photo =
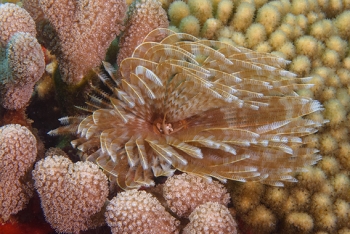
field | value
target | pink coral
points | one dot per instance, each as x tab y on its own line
70	193
211	217
17	155
20	55
14	19
83	31
185	192
139	212
24	64
143	17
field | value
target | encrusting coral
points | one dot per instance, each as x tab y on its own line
185	192
17	156
21	57
79	29
139	212
71	194
159	118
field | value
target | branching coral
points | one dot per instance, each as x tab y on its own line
199	106
21	57
14	19
17	155
143	17
211	217
23	64
71	194
139	212
318	44
81	29
185	192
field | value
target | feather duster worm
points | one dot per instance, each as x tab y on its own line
199	106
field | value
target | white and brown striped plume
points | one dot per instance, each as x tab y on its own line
201	107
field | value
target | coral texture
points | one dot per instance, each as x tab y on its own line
22	66
185	192
196	17
143	17
202	107
70	193
14	19
21	58
138	212
314	35
84	29
211	217
17	155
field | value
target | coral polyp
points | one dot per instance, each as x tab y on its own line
199	106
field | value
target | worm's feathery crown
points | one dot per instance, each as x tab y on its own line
199	106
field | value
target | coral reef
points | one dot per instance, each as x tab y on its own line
21	57
143	17
185	192
71	194
313	35
19	78
81	189
139	212
199	18
17	156
78	29
14	19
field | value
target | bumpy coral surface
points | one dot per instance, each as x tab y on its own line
138	212
143	17
14	19
211	217
21	57
17	155
81	29
185	192
23	65
198	106
70	193
314	35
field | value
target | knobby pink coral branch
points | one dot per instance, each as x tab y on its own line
84	30
14	19
17	155
24	65
70	193
138	212
185	192
211	217
21	58
143	17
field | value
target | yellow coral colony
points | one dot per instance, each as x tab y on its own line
199	106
